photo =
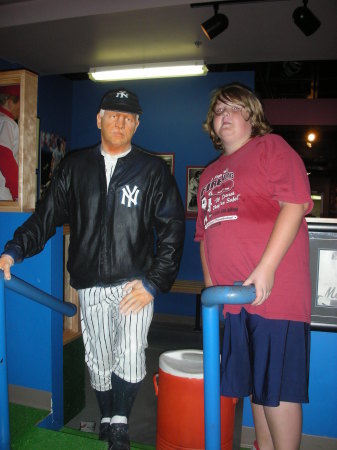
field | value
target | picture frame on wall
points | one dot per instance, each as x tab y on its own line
323	269
21	169
169	159
52	151
192	182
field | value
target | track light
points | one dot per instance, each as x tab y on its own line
216	24
306	21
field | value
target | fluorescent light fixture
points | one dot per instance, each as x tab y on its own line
143	71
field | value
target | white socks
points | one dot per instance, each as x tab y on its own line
115	419
119	419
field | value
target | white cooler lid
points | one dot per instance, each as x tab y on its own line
183	363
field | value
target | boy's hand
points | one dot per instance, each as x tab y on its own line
263	279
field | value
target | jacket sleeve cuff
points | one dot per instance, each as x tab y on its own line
149	287
12	254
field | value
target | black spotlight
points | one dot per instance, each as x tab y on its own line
306	21
215	25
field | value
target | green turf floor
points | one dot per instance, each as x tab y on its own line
25	435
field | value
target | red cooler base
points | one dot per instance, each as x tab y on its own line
180	414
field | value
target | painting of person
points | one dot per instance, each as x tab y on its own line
9	141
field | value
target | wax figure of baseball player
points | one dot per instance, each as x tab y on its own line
113	196
9	141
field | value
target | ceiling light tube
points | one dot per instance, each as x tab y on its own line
144	71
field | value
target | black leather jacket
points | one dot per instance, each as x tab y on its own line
134	231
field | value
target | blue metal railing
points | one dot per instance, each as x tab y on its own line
21	287
211	298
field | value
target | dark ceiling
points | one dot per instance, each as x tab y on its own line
291	79
51	37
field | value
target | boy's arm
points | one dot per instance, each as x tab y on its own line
284	232
207	277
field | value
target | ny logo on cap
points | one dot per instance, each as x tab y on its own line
122	94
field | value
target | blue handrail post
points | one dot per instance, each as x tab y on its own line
4	408
27	290
211	298
21	287
210	316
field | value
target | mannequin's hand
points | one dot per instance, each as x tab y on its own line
136	297
6	262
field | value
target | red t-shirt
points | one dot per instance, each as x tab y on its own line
237	207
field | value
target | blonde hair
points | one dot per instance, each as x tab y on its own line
242	96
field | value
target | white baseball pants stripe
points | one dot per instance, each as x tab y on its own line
113	342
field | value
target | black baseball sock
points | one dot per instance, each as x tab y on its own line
105	402
124	394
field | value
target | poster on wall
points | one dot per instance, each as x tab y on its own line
52	150
327	279
169	159
192	182
323	272
18	100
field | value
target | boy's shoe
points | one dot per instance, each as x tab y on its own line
104	431
119	437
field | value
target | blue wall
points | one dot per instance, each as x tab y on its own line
6	65
54	105
173	114
34	333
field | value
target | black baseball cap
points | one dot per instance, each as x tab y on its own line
121	99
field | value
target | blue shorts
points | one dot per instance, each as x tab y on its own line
265	358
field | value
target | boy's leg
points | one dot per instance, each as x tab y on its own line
285	425
278	428
263	436
281	370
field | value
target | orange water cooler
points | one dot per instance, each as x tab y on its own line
179	386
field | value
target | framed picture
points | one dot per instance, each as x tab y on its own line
192	182
169	159
323	269
18	162
52	151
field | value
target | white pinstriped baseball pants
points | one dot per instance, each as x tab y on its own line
113	342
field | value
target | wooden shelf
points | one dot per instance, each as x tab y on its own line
69	336
187	286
